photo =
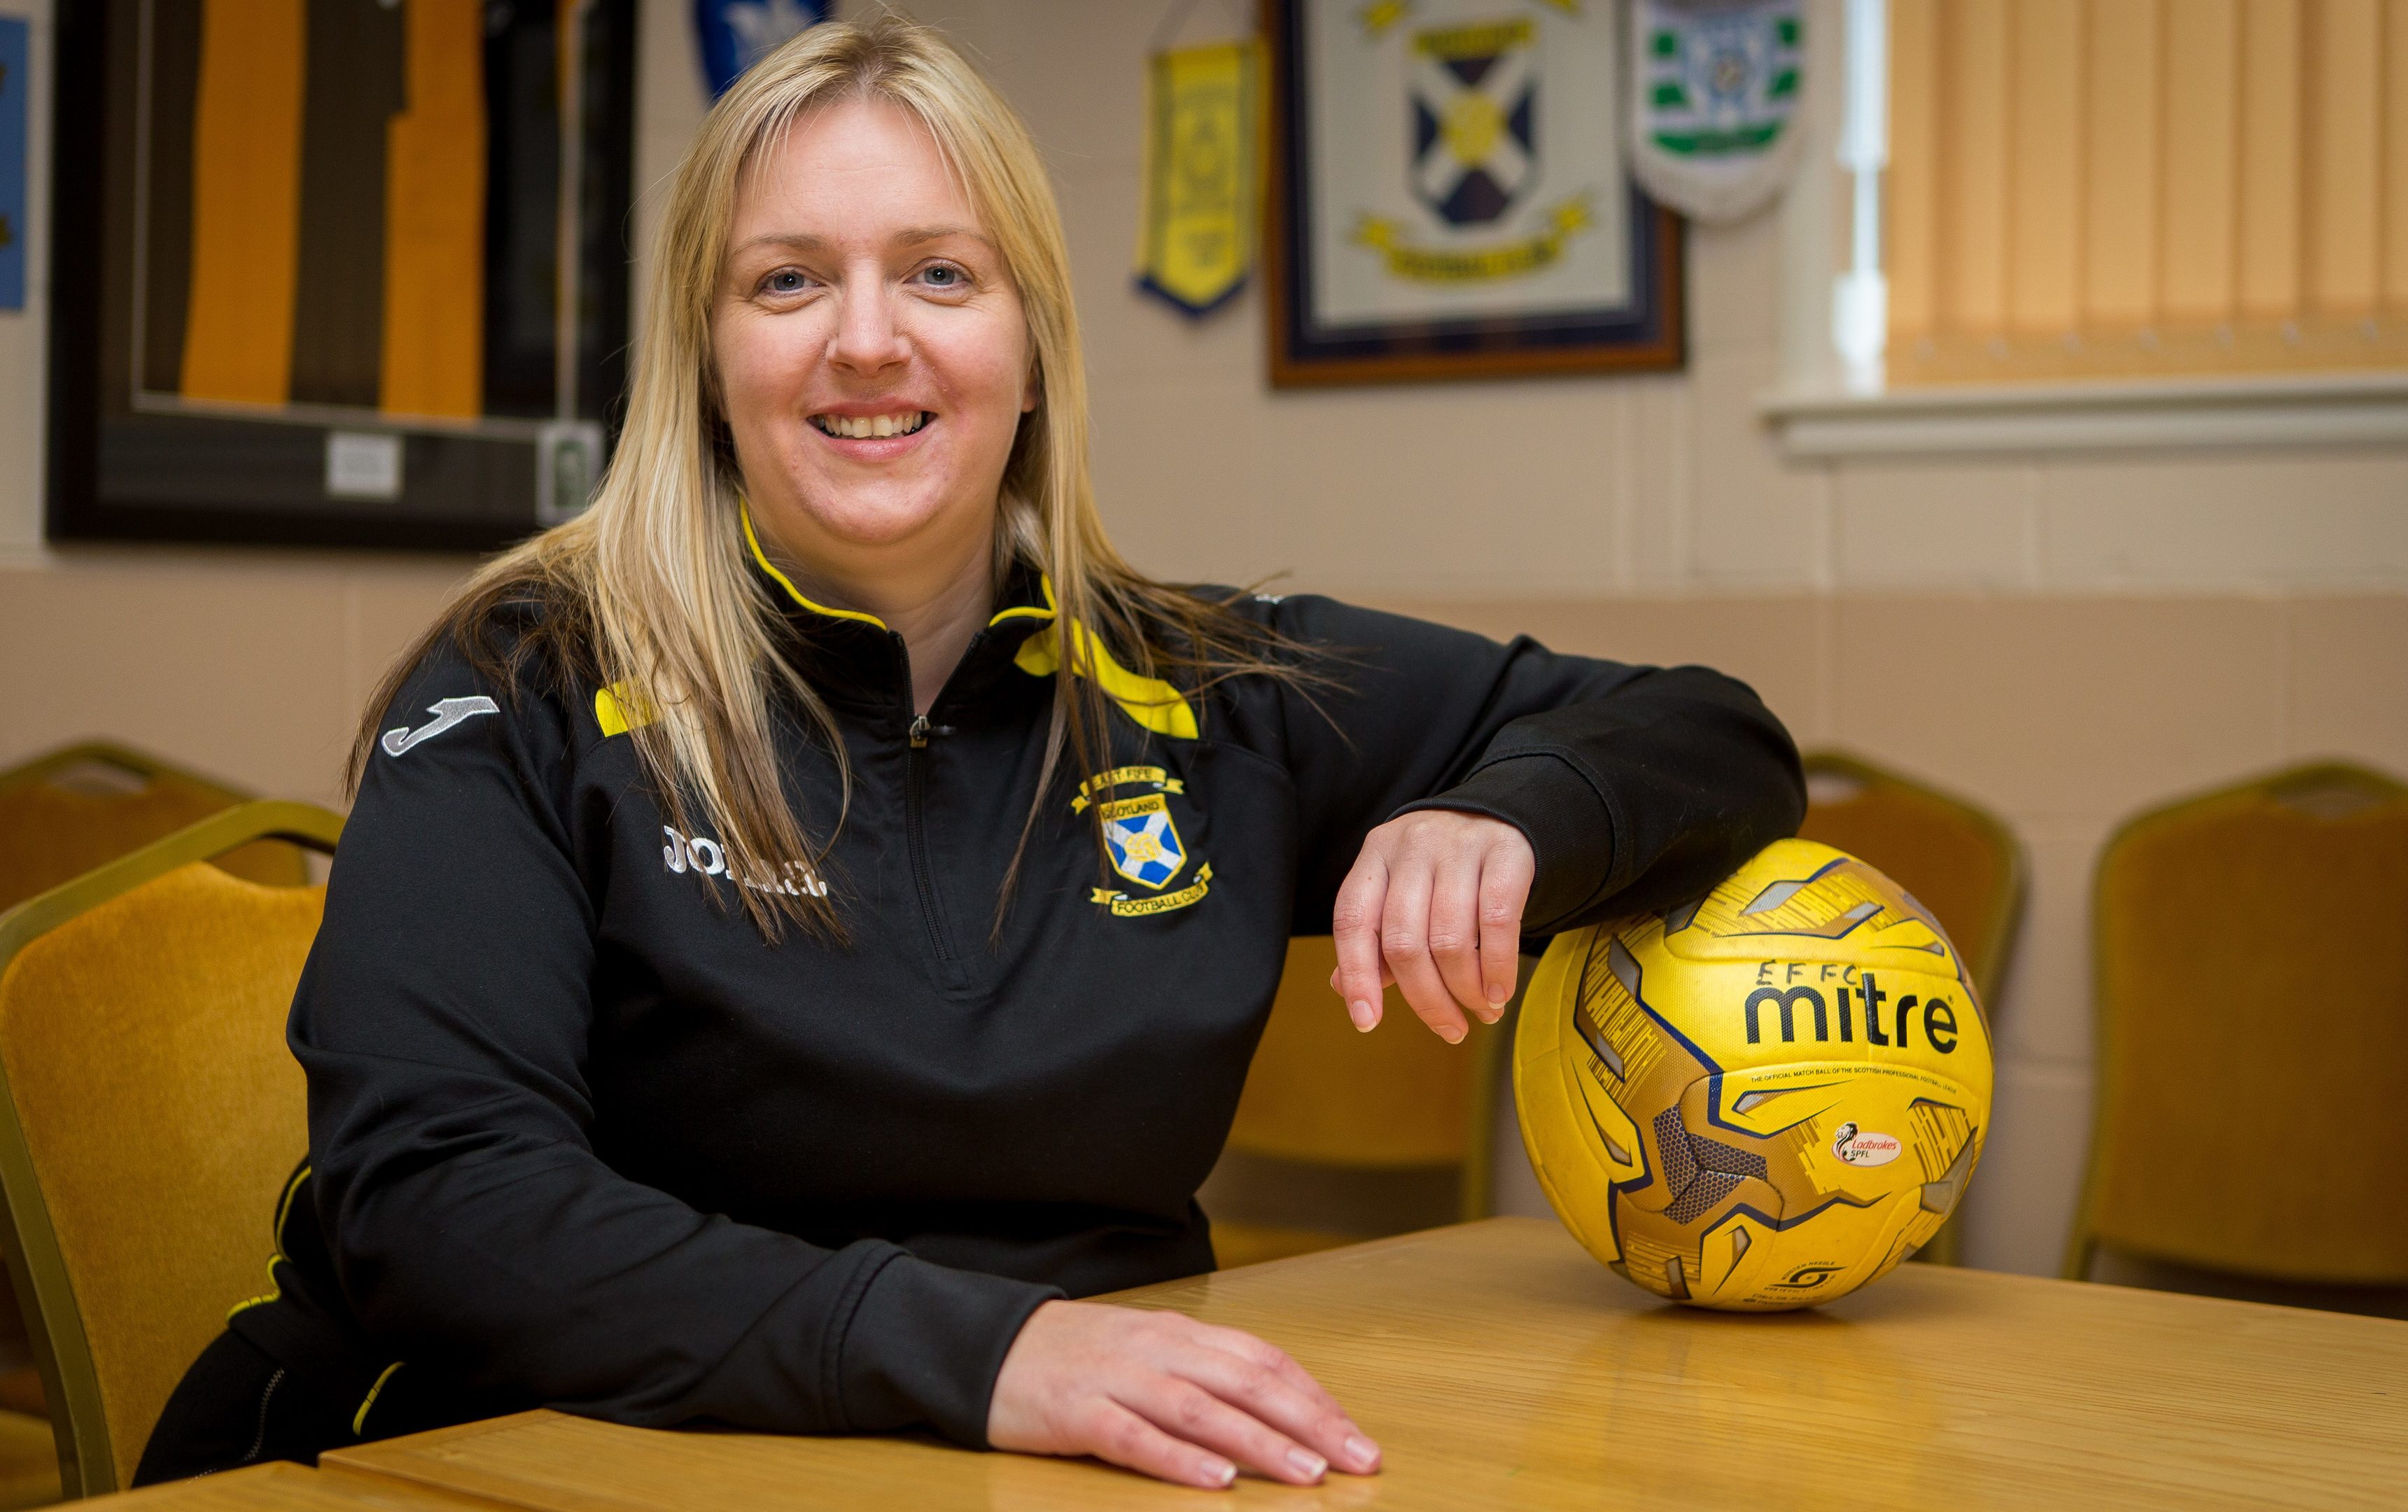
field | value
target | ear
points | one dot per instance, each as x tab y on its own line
1033	388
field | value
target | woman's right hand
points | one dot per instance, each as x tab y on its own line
1161	1393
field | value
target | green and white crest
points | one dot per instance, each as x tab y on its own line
1715	87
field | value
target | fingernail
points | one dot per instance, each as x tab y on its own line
1455	1035
1220	1472
1361	1452
1306	1464
1360	1011
1498	995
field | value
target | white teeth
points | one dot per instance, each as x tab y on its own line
863	427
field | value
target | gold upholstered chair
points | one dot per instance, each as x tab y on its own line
2252	1001
150	1112
1342	1136
1957	859
64	813
61	815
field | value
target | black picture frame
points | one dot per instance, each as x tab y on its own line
1650	337
117	471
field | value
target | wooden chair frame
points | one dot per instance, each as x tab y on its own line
2081	1243
151	769
109	754
54	1321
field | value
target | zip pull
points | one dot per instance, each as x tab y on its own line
920	733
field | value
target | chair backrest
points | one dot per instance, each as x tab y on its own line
1321	1092
2252	1002
64	813
1957	859
150	1112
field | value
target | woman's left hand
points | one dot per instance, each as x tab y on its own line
1434	904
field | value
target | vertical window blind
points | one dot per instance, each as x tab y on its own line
2136	188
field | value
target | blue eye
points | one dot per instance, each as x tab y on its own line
943	276
784	280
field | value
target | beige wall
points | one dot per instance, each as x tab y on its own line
2064	639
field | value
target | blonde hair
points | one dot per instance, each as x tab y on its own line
648	592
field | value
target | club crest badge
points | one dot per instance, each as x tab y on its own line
1503	140
1474	119
1142	842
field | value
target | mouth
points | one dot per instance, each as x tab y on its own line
871	428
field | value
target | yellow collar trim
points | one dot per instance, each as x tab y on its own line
1153	703
618	709
752	544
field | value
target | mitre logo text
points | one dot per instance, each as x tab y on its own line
1795	990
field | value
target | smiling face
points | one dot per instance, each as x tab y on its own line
873	359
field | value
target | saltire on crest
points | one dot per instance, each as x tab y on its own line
1474	107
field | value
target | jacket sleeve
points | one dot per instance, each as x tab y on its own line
443	1023
1636	786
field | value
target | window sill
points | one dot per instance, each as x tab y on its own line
2313	410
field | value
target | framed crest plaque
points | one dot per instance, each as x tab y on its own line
1450	196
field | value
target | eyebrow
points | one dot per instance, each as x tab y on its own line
917	234
913	237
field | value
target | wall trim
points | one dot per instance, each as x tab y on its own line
2303	409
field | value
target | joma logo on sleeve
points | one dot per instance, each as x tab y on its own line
446	712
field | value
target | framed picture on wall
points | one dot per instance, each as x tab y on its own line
338	272
1448	196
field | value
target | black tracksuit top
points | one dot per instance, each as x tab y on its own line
579	1136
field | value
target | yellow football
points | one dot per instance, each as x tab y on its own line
1761	1099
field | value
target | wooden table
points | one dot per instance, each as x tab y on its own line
1499	1366
287	1488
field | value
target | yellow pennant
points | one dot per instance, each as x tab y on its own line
1197	241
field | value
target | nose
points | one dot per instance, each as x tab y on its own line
869	337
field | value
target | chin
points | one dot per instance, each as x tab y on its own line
870	516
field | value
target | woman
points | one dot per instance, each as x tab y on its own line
809	918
